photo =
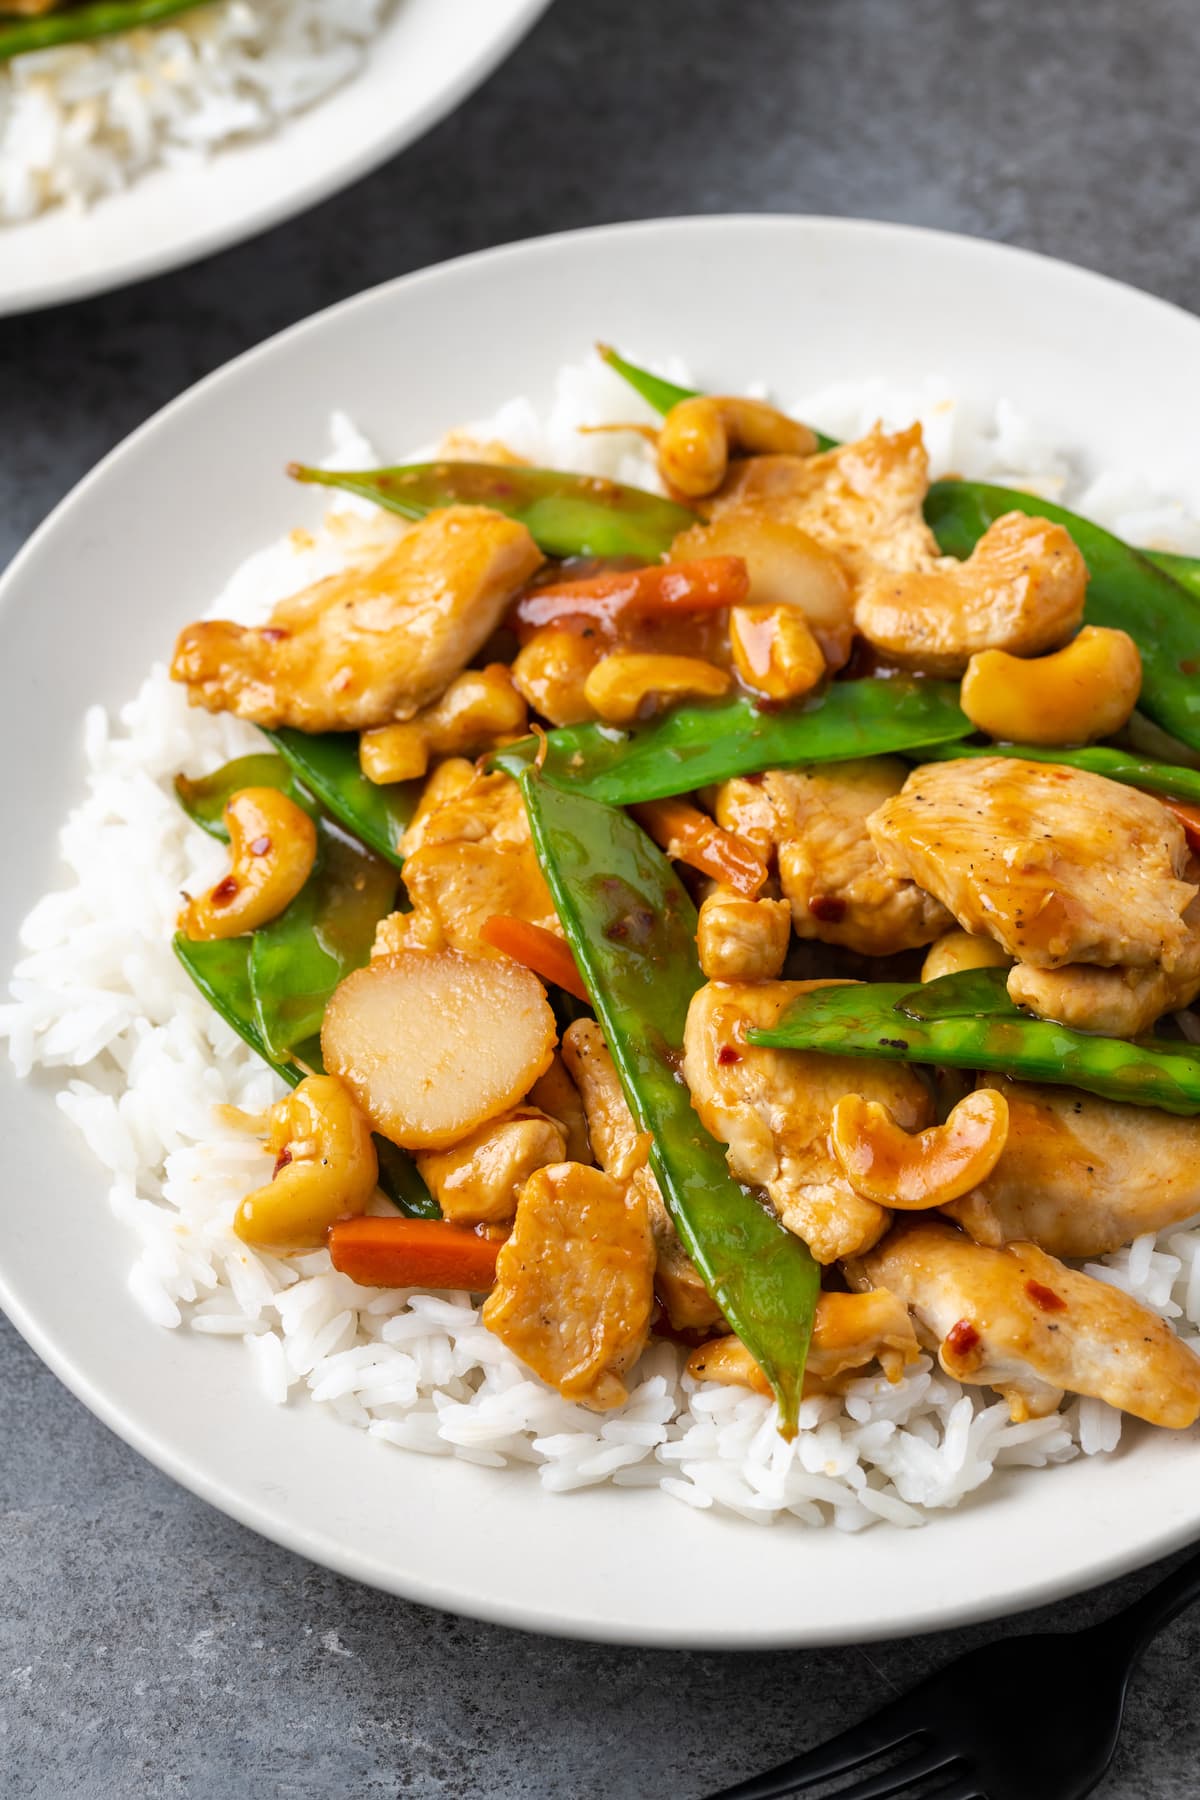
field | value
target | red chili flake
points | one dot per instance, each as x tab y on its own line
1045	1297
224	891
727	1054
274	633
962	1338
282	1160
1190	665
829	908
260	846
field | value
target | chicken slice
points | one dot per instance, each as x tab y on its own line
773	1110
614	1135
1117	1002
556	1093
575	1282
839	889
1056	864
1022	1322
739	939
476	1181
474	859
850	1332
1080	1176
372	644
1022	588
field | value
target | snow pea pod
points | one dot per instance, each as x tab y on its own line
327	764
693	745
974	1025
1155	599
1100	759
326	933
104	18
221	971
633	932
204	799
663	395
567	514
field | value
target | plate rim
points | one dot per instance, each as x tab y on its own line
140	265
326	1549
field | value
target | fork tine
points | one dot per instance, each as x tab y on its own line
884	1730
932	1759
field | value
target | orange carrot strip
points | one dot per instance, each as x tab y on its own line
705	585
538	949
426	1253
690	836
1188	816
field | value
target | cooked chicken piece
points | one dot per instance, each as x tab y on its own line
476	1182
773	1110
839	889
614	1137
474	860
1021	589
741	939
1116	1002
1022	1322
1080	1176
555	1093
575	1282
744	806
850	1331
1056	864
373	644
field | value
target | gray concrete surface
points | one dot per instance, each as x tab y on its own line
150	1647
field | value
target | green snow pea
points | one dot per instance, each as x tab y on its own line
1100	759
221	971
204	800
693	745
1155	599
663	395
633	931
326	933
327	764
104	18
967	1021
567	514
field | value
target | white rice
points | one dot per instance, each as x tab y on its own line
85	120
100	996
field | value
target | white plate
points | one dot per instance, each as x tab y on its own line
428	58
140	547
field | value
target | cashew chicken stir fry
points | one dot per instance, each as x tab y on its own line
469	1106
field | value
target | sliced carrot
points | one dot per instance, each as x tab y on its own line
1188	816
426	1253
705	585
690	836
538	949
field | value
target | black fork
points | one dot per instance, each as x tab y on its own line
961	1734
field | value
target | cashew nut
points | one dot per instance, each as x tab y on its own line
787	568
914	1170
479	706
632	685
698	437
551	671
962	950
1085	690
740	939
272	849
325	1168
774	651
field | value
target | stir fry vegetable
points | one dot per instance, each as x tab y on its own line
632	929
968	1022
425	1253
205	798
1155	599
694	745
327	765
1101	759
103	18
568	515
